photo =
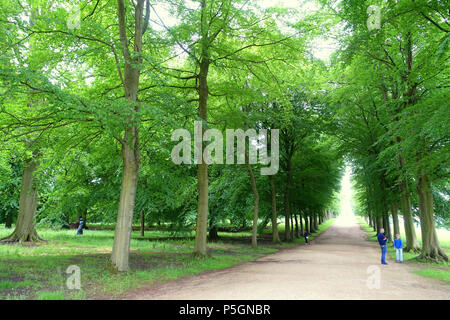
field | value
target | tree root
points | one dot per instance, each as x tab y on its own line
436	256
15	237
412	250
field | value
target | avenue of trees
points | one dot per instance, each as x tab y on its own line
88	106
391	94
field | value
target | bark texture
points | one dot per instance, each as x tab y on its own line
25	230
431	249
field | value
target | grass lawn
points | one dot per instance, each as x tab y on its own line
38	270
424	268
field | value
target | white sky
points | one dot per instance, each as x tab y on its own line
346	216
322	48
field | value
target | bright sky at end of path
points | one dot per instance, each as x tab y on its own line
346	216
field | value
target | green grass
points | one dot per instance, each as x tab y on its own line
434	273
435	270
50	295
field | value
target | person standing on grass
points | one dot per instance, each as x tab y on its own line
80	227
398	249
306	237
382	241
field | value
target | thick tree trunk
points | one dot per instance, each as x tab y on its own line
394	210
306	223
431	249
202	168
405	201
130	143
142	217
25	230
379	223
275	235
122	235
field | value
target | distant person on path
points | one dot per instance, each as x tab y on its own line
382	241
306	237
80	227
398	248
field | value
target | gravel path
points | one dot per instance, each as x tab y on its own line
335	266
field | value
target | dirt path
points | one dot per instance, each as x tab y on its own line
333	267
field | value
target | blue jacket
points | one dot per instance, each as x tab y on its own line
398	243
381	239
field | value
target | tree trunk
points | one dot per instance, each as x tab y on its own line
311	223
431	249
316	225
84	215
394	210
379	223
8	219
292	226
256	203
405	201
142	223
122	235
25	230
297	234
275	235
387	225
306	223
202	167
301	225
130	143
213	235
287	214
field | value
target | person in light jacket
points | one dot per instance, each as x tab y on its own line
398	249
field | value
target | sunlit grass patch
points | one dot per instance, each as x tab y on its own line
434	273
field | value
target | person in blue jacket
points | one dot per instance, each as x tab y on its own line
382	241
306	237
80	227
398	248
